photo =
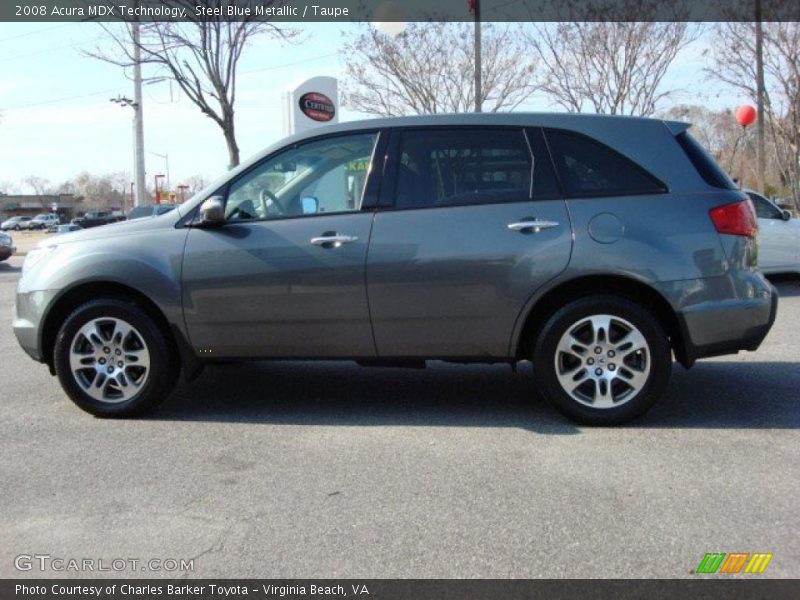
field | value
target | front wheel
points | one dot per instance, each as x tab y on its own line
602	360
112	359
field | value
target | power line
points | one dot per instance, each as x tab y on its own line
36	53
56	100
291	64
48	50
38	31
108	91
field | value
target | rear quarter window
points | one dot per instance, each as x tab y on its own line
588	168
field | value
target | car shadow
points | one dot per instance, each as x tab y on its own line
731	394
343	393
788	285
9	268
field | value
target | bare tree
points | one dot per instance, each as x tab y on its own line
200	55
717	131
40	186
194	184
100	191
731	145
429	68
8	187
609	67
733	63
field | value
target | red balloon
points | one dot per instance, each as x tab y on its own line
745	115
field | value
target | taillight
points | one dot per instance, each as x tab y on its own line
737	218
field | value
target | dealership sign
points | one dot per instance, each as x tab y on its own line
317	106
310	104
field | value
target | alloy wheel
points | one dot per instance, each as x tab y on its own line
602	361
109	359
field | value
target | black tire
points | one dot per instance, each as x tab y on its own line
163	370
635	401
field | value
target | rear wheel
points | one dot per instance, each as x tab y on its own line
112	359
602	360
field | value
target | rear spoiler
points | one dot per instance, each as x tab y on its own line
677	127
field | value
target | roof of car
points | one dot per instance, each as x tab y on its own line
575	121
487	118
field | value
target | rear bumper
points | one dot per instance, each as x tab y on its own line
714	328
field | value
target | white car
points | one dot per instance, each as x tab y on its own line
16	224
44	221
778	237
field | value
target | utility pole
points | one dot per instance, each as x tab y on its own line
760	148
475	9
138	120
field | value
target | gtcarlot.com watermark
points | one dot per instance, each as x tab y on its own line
47	562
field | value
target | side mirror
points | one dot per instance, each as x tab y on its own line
310	205
786	215
212	212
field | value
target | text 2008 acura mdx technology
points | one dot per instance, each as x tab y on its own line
596	247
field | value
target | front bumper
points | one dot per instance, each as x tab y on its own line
29	311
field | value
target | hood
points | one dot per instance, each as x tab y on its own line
116	229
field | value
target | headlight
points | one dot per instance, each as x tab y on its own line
5	240
36	256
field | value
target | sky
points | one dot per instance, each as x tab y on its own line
56	119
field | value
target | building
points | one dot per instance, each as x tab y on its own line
30	205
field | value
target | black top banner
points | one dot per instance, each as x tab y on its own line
298	11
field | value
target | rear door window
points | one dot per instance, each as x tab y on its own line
588	168
462	166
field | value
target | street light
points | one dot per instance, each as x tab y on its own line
166	160
124	101
390	28
182	190
158	191
388	18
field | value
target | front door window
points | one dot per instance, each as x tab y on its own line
323	176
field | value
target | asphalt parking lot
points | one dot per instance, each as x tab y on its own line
332	470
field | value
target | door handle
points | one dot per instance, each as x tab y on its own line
333	241
535	225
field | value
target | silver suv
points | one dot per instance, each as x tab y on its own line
596	247
45	220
